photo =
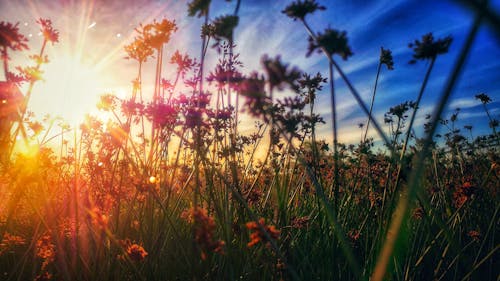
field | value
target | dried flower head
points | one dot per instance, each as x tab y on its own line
333	41
136	252
49	33
386	58
224	27
278	73
10	241
156	33
484	98
107	102
299	9
138	50
10	38
258	235
198	8
45	249
475	235
301	222
428	48
252	88
184	62
204	230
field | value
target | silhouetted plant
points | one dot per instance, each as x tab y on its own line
334	42
299	9
427	49
198	8
493	123
385	58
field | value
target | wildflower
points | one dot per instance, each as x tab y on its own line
107	102
45	250
400	109
221	75
39	59
418	213
10	241
224	27
157	33
299	9
311	84
463	193
252	88
333	41
198	8
10	38
36	127
354	235
386	58
161	114
49	33
136	252
374	198
184	62
253	196
208	30
301	222
130	107
30	73
428	48
484	98
138	50
257	235
475	235
278	73
204	228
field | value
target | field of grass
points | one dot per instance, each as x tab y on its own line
171	188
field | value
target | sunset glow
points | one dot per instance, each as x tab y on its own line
249	140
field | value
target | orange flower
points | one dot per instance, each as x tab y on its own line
354	235
9	241
46	250
475	235
463	193
301	222
136	252
258	235
49	33
204	229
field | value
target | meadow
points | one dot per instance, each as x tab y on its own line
172	188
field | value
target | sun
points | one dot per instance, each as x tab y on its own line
70	89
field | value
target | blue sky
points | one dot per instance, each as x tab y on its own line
263	29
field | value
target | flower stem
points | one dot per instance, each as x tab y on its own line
373	101
335	141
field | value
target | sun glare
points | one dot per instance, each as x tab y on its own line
70	89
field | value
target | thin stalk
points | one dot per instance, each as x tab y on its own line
5	63
417	103
373	101
335	140
491	122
